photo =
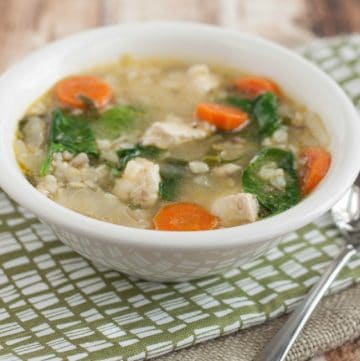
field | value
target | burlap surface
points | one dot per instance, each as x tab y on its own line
348	352
336	321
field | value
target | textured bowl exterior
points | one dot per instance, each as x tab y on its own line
162	265
176	256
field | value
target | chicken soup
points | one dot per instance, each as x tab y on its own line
168	145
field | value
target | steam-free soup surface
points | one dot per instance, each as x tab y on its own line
172	146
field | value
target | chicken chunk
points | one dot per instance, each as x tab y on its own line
80	160
139	183
101	205
202	79
34	131
235	209
173	131
48	185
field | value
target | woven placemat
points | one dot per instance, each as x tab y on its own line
335	321
54	304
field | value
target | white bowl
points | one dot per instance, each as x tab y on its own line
175	256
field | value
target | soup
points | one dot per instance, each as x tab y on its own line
167	145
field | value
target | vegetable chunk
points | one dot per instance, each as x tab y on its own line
70	91
172	172
115	121
256	85
265	114
125	155
317	163
68	133
272	194
223	117
184	217
263	109
244	104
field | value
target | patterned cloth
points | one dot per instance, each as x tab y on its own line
54	304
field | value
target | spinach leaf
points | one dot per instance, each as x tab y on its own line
275	200
265	113
115	121
138	150
68	133
91	112
244	104
73	133
172	171
168	188
262	109
45	165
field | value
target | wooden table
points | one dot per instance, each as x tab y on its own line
28	24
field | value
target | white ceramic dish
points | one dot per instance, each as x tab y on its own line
169	256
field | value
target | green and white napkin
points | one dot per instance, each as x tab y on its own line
55	305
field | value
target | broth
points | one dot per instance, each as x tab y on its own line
148	148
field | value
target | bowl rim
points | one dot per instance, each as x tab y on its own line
316	204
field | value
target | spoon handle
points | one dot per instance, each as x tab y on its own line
280	345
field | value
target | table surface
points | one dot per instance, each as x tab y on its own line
28	24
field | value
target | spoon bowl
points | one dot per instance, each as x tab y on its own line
346	214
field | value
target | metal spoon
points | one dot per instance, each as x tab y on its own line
346	215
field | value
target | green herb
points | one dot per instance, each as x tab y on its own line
91	111
45	165
168	188
273	199
68	133
115	121
73	133
262	109
244	104
172	171
265	113
138	150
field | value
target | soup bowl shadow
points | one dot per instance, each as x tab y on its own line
177	256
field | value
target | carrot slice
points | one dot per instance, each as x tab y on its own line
184	217
222	116
256	85
69	91
317	163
